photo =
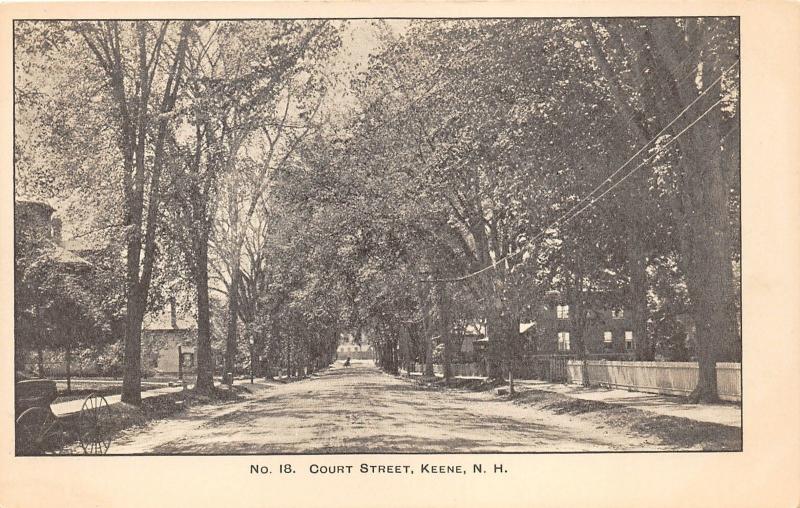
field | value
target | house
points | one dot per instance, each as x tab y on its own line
355	350
35	219
475	342
608	329
36	225
469	348
168	343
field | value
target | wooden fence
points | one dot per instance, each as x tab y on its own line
458	369
55	370
547	367
672	378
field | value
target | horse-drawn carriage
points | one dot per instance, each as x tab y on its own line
39	431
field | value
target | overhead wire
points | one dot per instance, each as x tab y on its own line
569	215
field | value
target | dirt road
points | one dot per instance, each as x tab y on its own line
360	409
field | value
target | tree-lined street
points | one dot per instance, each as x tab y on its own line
362	410
202	200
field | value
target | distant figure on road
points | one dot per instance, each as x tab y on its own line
347	362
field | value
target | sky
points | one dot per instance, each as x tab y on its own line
360	40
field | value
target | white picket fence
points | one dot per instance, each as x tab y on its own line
672	378
458	369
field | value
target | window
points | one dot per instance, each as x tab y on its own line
563	341
188	360
607	337
617	313
628	340
562	311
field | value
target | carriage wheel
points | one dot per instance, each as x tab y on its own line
39	432
94	425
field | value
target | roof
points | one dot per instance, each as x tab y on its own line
29	203
81	244
67	257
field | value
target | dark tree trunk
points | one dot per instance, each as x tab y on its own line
703	195
288	358
233	315
512	349
267	368
68	365
428	339
132	371
709	265
578	299
133	144
19	356
444	331
637	266
494	332
205	361
40	362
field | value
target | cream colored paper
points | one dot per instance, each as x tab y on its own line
765	474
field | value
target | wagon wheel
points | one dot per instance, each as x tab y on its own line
94	425
39	432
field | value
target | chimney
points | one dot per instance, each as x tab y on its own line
55	229
173	315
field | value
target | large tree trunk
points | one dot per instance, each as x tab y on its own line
444	331
637	266
68	362
494	332
133	144
132	368
709	264
288	357
705	234
511	349
40	362
205	365
19	356
233	315
578	299
428	340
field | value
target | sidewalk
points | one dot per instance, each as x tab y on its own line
73	406
722	414
108	381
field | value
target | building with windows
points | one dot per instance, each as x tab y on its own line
168	343
608	330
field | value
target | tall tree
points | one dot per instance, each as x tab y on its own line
278	99
154	55
659	54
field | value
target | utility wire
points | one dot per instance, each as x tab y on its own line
655	138
648	159
569	217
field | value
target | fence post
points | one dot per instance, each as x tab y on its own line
180	363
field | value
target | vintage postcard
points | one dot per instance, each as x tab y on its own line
464	254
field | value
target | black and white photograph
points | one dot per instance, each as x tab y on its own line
378	235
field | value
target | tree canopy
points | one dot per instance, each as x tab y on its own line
459	172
